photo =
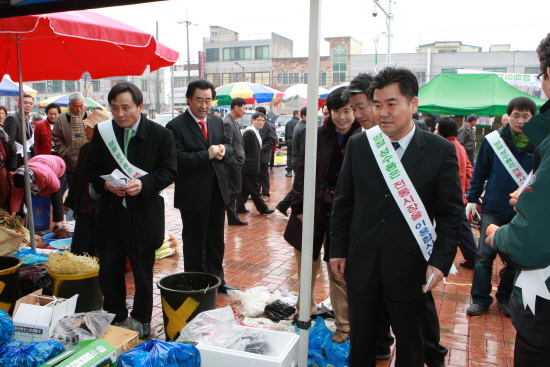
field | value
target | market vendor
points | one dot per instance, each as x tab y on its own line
45	172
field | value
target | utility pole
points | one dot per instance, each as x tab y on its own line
157	87
187	24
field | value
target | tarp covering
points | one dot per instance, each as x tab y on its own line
464	94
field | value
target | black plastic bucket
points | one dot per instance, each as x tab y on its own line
9	282
184	296
86	285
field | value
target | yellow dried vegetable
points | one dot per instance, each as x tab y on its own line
68	263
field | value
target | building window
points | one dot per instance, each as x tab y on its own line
446	51
72	86
262	78
421	76
322	79
144	85
288	78
449	71
214	34
39	87
96	85
261	52
339	64
214	78
57	86
528	70
212	54
495	70
236	53
230	77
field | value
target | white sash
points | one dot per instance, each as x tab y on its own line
403	191
107	133
508	160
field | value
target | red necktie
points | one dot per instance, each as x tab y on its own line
203	129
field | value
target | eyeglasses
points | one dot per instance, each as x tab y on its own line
540	75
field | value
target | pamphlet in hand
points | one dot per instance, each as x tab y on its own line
117	179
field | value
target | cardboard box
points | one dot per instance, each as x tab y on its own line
89	353
284	352
121	339
35	316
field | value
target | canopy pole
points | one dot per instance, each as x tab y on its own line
309	177
28	198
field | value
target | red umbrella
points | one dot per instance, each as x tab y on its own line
76	42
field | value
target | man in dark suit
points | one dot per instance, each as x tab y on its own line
201	192
131	224
234	164
372	244
289	130
269	140
251	166
12	124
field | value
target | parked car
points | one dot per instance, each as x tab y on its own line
164	118
280	123
246	120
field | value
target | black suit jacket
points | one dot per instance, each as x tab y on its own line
12	126
251	164
269	141
152	150
366	219
194	182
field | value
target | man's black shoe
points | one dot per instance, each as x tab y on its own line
237	223
283	211
146	330
268	211
227	287
243	211
476	310
382	356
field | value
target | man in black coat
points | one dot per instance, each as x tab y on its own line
269	140
251	166
12	124
131	223
289	130
372	244
202	193
234	164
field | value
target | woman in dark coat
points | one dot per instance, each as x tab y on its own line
332	138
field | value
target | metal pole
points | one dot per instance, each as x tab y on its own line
187	23
390	18
172	88
157	87
309	177
28	198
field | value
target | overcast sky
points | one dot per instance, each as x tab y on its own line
522	24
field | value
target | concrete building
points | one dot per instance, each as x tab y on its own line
98	89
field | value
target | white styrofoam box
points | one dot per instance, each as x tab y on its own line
284	349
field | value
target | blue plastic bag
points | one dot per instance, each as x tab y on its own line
322	350
41	212
29	256
156	353
6	327
32	355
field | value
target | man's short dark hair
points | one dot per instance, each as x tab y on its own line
122	87
335	100
4	109
295	112
28	96
258	114
200	84
543	50
447	127
303	112
261	110
359	84
408	84
97	109
19	181
521	104
216	110
52	105
236	102
472	117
